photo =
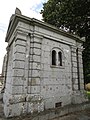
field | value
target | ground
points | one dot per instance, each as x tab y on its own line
82	115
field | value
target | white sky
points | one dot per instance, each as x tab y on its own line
30	8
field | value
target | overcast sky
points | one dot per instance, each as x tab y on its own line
30	8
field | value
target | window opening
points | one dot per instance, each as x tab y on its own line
53	57
60	58
59	104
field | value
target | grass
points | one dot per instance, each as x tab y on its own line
88	94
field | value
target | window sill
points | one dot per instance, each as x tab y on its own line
55	66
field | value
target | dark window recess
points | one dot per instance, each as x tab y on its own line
59	104
60	58
25	99
53	57
78	69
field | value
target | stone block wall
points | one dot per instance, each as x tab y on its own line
56	84
22	90
16	83
78	95
35	100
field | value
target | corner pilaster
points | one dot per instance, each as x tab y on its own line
78	95
35	100
16	79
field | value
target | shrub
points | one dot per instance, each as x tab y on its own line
87	87
88	94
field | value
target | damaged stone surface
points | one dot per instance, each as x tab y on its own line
36	79
70	112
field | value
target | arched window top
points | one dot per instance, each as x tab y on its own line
53	51
57	49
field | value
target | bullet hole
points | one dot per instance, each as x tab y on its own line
56	87
50	88
34	88
43	86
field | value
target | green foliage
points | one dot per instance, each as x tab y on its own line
88	94
86	60
75	16
72	14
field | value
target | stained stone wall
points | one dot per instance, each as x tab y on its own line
56	84
77	74
33	84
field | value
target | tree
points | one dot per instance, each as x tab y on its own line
75	16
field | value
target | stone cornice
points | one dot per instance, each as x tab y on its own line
34	22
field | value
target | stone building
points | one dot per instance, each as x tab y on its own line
44	67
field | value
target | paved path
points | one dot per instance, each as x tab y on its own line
82	115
